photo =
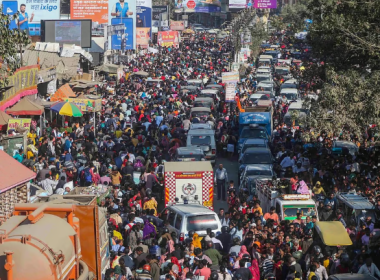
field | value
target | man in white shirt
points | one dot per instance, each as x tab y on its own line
320	271
287	162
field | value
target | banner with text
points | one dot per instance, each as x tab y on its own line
96	10
230	92
13	124
168	38
230	77
265	4
240	4
142	37
160	17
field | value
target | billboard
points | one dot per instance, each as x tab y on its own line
159	13
265	4
142	37
144	13
123	12
96	10
177	25
32	10
240	4
76	32
201	6
168	38
230	92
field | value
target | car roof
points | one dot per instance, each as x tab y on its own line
253	150
291	81
200	125
255	141
192	209
195	81
344	143
351	276
355	201
209	99
200	109
189	150
289	90
264	84
282	67
211	90
296	105
199	131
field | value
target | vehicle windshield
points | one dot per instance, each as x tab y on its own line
200	140
200	114
351	147
288	86
262	78
201	222
202	94
291	211
253	133
258	172
282	71
202	104
257	158
290	96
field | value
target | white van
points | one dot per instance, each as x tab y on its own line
204	139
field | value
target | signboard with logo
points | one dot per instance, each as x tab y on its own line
168	38
177	25
123	13
198	6
13	124
142	37
265	4
143	19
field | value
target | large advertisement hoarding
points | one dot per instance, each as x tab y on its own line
240	4
201	6
31	12
96	10
123	12
168	38
265	4
159	14
177	25
142	37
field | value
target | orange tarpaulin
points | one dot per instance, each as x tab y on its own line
63	93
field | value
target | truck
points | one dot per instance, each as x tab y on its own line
189	183
255	122
57	237
271	193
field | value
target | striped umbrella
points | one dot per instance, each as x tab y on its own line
66	109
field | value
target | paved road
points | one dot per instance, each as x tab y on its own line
232	169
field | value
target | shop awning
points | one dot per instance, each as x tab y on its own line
26	107
40	101
4	118
16	173
63	93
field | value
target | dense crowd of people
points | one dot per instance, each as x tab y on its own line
141	126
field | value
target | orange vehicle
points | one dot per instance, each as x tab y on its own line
65	238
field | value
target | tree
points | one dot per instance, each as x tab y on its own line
346	33
258	35
293	16
10	40
347	101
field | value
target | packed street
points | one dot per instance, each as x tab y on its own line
206	154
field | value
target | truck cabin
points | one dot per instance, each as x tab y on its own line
204	102
288	205
211	93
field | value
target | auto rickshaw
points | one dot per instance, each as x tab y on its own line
330	235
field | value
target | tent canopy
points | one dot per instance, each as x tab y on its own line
4	118
62	93
26	107
40	101
110	68
141	73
